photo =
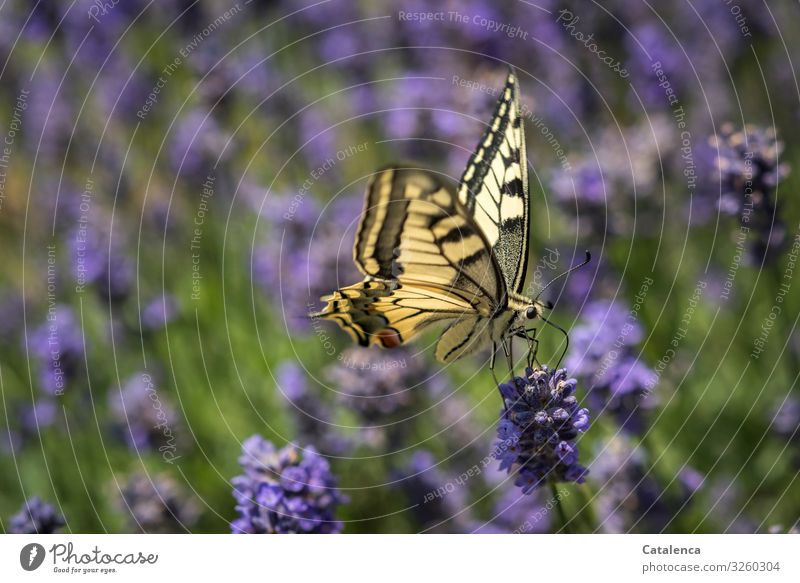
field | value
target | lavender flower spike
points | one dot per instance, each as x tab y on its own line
284	491
36	517
538	427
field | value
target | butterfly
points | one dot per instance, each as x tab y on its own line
431	253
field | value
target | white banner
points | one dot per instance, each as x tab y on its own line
356	558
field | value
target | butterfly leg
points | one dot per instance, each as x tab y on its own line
566	338
492	362
509	356
494	376
533	345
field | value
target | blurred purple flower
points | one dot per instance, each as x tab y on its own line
40	415
97	260
609	187
382	389
376	383
308	247
48	114
786	417
254	76
749	164
407	103
12	305
319	137
121	89
156	504
322	14
310	412
436	500
603	357
36	517
159	312
649	44
516	513
691	480
284	491
58	346
629	499
143	418
196	145
538	429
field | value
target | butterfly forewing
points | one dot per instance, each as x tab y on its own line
494	187
414	231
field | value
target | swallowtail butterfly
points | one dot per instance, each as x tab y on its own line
430	253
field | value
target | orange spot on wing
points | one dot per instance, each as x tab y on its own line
389	338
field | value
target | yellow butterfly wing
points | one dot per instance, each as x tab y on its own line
425	261
494	187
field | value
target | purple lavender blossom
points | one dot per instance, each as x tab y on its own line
98	261
36	517
309	411
691	480
382	388
143	418
629	499
196	145
159	312
436	500
407	104
49	117
58	346
594	280
38	416
786	417
749	166
603	357
650	43
308	246
11	310
121	88
284	491
751	155
603	185
157	504
516	513
376	383
538	429
786	424
318	136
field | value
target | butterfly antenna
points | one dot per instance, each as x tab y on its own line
566	337
560	275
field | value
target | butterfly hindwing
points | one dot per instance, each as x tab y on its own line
494	187
386	313
462	337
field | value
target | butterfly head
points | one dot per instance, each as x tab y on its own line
527	310
533	309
